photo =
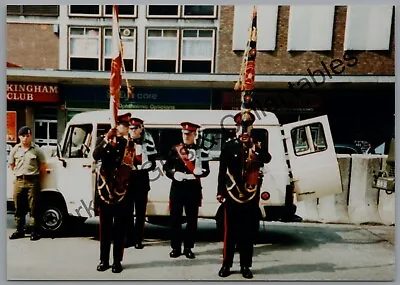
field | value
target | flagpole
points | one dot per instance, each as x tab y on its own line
245	83
116	63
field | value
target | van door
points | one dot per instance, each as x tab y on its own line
74	177
312	158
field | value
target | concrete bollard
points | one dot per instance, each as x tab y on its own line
387	204
363	198
308	210
333	208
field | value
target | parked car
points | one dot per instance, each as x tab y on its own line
347	149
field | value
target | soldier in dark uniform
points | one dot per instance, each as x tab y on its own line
112	209
144	161
241	216
28	162
185	169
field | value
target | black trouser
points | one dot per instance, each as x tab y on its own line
113	225
136	225
184	198
241	226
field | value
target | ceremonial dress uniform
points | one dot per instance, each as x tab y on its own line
241	220
144	161
113	215
185	192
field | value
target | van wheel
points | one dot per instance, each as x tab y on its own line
53	217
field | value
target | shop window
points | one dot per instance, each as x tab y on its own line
33	10
46	132
128	39
197	51
196	46
308	139
181	11
162	50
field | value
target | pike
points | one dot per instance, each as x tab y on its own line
245	83
117	64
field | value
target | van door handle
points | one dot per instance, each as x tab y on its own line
87	165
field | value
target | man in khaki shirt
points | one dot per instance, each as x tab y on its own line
28	162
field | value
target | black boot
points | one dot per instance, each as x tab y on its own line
175	253
35	236
139	245
116	267
246	272
103	266
17	234
188	253
224	271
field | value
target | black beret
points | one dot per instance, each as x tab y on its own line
24	131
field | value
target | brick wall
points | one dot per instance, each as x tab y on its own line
32	46
280	61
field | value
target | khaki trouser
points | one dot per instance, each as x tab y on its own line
26	196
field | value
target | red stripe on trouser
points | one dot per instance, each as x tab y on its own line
99	225
225	233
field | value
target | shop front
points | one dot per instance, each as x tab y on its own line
35	105
79	98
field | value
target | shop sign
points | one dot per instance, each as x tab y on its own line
11	126
143	98
30	92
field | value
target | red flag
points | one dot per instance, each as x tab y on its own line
116	64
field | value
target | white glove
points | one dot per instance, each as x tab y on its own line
146	165
179	176
198	171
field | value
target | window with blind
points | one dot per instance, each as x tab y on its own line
180	50
162	50
33	10
124	11
181	11
128	39
90	48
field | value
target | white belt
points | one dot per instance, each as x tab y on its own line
189	177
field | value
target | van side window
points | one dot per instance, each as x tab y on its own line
102	129
308	139
165	139
78	140
214	139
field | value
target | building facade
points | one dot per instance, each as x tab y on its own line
311	60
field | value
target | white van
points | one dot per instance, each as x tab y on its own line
303	165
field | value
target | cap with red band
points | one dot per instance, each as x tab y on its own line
124	118
188	127
136	122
